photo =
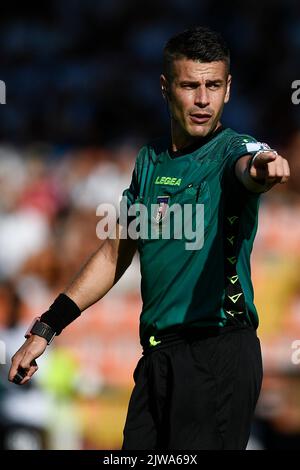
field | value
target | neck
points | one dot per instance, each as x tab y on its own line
182	140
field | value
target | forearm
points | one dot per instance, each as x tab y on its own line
94	280
96	277
91	283
102	270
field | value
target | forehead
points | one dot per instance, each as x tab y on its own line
187	69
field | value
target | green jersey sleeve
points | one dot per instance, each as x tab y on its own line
238	146
130	194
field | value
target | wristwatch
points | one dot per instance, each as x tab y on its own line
40	329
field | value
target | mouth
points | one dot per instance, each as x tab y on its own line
200	118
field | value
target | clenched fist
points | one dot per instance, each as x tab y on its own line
23	362
269	167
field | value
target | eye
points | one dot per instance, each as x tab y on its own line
214	86
189	86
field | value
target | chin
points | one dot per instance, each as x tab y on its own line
200	132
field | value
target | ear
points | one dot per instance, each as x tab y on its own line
228	85
164	86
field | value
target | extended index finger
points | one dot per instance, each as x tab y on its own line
263	158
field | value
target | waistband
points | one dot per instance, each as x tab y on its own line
167	338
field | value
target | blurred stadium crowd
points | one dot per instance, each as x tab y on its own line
88	70
82	96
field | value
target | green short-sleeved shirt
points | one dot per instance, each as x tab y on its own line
210	286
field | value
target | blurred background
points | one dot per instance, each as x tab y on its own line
82	95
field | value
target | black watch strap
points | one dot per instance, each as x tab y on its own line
45	331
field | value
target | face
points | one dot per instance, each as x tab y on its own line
196	95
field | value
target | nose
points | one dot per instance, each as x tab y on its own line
202	97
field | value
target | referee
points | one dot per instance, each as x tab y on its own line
199	378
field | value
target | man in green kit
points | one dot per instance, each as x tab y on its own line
197	383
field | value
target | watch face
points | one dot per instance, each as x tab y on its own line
45	331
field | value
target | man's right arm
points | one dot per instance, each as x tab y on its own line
94	280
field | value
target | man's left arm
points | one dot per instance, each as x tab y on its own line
261	172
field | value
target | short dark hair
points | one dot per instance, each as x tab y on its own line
200	44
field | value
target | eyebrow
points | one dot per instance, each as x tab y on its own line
217	81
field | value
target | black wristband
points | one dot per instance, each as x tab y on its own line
61	313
